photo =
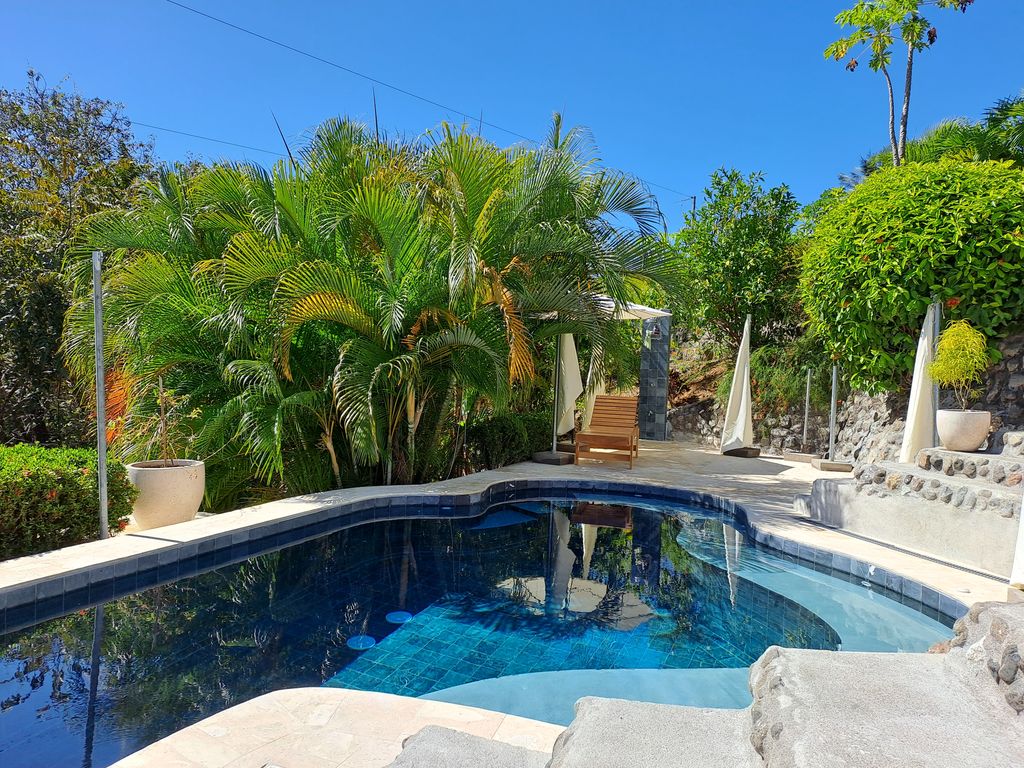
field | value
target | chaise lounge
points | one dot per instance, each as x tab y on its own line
613	429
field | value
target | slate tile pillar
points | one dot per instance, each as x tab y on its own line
654	357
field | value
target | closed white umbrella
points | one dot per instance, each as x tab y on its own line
919	431
1017	571
738	430
570	383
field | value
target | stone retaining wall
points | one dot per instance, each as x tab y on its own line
775	434
870	427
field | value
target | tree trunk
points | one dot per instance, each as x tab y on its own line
335	468
892	119
906	104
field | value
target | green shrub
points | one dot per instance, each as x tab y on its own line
49	498
960	360
506	438
538	431
905	236
778	377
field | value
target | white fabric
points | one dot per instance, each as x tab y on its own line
631	311
738	430
570	383
1017	571
920	429
595	388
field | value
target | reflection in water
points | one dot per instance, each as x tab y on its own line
94	682
529	586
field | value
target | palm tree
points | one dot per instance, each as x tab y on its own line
999	135
345	308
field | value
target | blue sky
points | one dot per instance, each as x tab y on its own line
671	90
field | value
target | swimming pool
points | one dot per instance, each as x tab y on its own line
521	606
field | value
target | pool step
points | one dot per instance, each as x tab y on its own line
1004	470
892	479
611	733
437	747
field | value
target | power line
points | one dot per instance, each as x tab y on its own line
370	78
206	138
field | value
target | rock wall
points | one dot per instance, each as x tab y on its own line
776	434
869	427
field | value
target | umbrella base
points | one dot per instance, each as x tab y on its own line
744	453
824	465
554	458
806	458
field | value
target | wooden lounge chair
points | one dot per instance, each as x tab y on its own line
613	428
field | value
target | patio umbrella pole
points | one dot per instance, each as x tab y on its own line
807	410
936	330
832	415
101	400
554	407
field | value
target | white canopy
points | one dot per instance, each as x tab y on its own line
738	430
631	311
919	431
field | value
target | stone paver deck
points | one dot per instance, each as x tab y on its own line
327	728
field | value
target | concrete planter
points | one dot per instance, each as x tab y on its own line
168	492
963	430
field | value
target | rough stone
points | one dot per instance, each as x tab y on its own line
1009	664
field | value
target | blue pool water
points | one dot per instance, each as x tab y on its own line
522	609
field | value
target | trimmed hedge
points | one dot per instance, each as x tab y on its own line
880	254
49	498
506	438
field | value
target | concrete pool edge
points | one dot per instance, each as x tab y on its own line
319	726
40	587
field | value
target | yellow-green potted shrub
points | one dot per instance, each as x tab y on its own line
961	358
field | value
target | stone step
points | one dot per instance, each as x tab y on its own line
612	733
890	478
437	747
1013	444
999	469
878	710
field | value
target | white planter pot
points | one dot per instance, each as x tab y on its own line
168	493
963	430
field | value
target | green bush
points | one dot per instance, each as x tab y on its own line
905	236
49	498
506	438
778	377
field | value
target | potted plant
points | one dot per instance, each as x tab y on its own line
960	360
170	489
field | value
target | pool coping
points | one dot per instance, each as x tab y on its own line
46	586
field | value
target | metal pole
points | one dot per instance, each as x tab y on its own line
936	330
101	400
832	415
807	409
94	684
554	407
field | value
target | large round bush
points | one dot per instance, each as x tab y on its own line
951	231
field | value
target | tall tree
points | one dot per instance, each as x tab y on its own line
62	157
737	258
876	25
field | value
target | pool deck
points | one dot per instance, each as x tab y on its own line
327	728
766	487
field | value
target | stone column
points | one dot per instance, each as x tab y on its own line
654	356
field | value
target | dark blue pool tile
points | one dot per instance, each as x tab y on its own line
101	591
